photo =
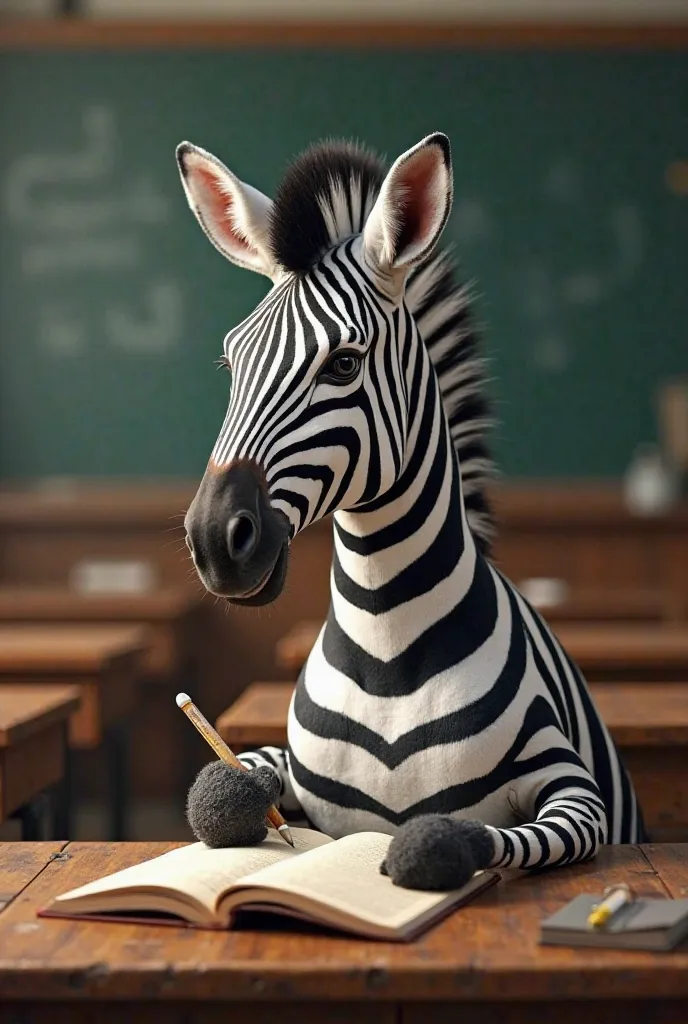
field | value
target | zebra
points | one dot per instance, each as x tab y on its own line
436	706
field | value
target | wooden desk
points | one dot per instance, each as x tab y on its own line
105	664
33	747
603	652
482	964
173	621
168	614
648	721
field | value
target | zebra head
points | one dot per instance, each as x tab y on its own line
317	418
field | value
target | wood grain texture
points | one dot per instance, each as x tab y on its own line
78	34
27	710
486	951
19	865
199	1012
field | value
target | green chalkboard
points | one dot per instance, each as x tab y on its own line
113	305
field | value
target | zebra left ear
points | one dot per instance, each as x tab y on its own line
413	206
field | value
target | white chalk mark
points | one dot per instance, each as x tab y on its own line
154	331
60	332
585	288
551	353
80	254
32	172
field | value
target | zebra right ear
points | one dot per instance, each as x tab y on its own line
412	207
234	216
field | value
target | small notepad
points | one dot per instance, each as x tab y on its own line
657	924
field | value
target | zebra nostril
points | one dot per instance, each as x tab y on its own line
243	534
189	544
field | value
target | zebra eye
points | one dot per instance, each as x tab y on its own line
342	368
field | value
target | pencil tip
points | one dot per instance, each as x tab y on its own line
285	832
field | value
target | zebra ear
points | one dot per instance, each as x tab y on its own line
234	216
413	206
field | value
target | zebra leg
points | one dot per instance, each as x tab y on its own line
227	807
436	852
570	826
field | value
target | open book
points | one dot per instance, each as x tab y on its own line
333	883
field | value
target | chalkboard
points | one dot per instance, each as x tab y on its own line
113	305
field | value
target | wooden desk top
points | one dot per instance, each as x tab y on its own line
485	951
54	604
26	709
30	648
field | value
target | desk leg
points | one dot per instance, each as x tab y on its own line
62	798
116	743
31	817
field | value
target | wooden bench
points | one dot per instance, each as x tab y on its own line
33	750
603	652
173	622
648	722
105	663
481	964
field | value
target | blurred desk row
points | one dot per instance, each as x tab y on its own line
102	568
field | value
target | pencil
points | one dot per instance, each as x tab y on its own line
615	897
213	738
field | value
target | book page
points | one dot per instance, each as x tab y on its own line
346	875
196	870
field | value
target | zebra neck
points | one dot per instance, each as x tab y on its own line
406	561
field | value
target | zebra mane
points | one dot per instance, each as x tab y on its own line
324	198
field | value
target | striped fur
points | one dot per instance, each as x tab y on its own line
433	687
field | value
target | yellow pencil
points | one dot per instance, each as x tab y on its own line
213	738
615	897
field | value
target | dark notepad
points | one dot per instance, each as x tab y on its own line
644	924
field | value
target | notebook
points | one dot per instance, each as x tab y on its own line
336	883
657	924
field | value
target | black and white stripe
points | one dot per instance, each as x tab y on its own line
433	686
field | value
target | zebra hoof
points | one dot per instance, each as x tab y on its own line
227	807
436	852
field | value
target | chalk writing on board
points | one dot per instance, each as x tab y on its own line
546	296
76	212
155	328
60	331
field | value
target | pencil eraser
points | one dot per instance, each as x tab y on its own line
182	699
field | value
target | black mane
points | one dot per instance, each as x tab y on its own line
338	177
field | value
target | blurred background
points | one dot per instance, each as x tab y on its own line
569	127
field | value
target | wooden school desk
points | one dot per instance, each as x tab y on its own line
648	721
105	664
173	621
482	964
33	750
627	652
